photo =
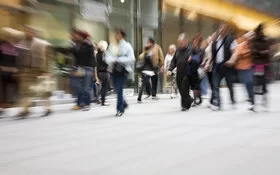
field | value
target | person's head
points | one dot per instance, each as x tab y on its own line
182	40
30	32
119	34
259	31
223	30
197	41
102	46
80	36
151	42
172	49
204	44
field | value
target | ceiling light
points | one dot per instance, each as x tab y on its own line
122	1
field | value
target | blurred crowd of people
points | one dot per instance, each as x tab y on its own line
193	65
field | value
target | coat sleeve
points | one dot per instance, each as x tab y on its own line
173	63
161	57
129	58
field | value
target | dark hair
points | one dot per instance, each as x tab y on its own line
259	30
151	39
120	31
83	34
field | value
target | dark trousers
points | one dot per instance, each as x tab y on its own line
210	80
145	84
154	85
104	81
118	83
220	72
246	77
183	84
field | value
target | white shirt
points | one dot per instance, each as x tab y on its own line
167	62
220	55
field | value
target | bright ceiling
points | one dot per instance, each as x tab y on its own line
244	18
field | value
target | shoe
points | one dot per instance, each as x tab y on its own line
86	108
155	98
184	109
191	100
23	114
139	101
98	102
148	96
76	108
234	106
215	108
119	114
105	104
47	113
251	108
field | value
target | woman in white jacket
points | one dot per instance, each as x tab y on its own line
120	59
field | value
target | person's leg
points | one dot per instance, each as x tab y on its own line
119	87
210	80
145	81
160	82
186	100
204	86
179	81
115	83
86	87
104	78
148	87
154	85
216	77
248	81
229	82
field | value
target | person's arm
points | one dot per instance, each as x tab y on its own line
161	57
209	58
173	63
129	58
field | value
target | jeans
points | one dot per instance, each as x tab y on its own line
246	77
104	80
183	84
82	86
118	83
95	90
145	83
204	86
220	72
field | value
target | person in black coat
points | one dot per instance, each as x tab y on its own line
181	60
102	72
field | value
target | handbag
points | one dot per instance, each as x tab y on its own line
119	69
139	65
79	72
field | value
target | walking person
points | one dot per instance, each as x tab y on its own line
171	80
222	50
83	69
181	61
243	63
209	65
146	71
194	63
120	59
261	54
39	68
158	61
102	72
